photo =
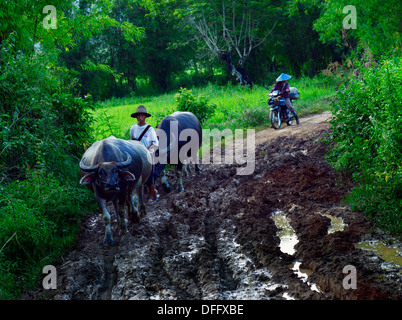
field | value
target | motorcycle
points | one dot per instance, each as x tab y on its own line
279	112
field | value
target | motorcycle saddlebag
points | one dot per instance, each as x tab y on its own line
294	94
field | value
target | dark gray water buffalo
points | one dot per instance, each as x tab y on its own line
180	138
115	170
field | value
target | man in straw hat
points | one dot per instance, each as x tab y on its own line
283	87
144	133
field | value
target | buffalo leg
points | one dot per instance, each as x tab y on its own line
186	169
116	209
179	176
140	192
106	220
135	200
121	219
133	205
164	182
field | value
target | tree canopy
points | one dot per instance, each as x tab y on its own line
115	48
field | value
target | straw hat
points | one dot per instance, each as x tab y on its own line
283	77
140	110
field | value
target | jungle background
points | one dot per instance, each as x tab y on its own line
59	73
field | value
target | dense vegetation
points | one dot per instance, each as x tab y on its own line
367	132
173	52
42	128
173	55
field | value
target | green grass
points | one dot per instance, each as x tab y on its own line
236	106
39	221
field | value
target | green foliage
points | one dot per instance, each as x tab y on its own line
377	24
200	106
38	221
40	124
172	53
112	65
367	132
42	130
75	20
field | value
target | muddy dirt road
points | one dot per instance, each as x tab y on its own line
281	233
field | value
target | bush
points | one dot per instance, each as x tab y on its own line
40	125
42	130
39	218
200	106
367	132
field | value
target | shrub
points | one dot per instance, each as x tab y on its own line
367	132
200	106
39	218
253	117
42	129
40	125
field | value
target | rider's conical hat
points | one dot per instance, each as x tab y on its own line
283	77
140	110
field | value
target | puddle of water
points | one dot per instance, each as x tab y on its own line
303	274
289	239
388	253
337	223
286	233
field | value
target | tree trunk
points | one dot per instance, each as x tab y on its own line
238	73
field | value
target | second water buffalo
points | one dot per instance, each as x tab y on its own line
182	138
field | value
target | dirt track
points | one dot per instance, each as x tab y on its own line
218	238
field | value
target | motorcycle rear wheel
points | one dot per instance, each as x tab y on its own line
275	118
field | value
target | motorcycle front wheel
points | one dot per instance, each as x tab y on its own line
275	119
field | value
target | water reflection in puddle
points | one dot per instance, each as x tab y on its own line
337	223
388	253
289	239
286	233
303	274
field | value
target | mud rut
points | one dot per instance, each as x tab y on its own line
217	239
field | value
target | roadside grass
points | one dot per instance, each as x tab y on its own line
237	107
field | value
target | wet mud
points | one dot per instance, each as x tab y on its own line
219	238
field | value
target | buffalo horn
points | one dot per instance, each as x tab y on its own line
124	163
87	168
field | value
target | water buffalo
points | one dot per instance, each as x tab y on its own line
115	170
183	135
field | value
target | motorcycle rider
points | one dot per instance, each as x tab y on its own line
284	88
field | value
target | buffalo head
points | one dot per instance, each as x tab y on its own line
107	175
